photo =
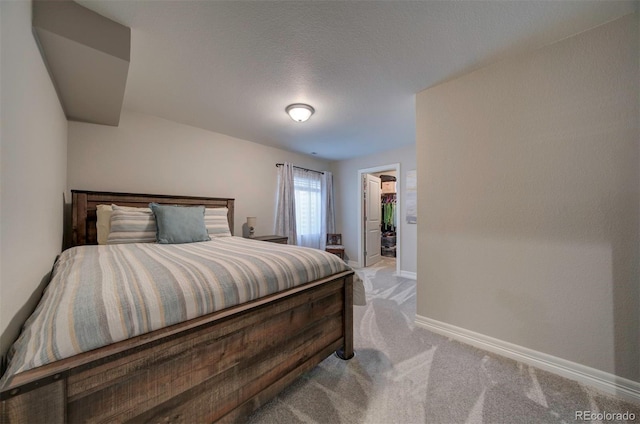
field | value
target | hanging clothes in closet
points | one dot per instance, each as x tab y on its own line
389	212
389	216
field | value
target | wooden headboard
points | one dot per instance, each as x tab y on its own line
84	209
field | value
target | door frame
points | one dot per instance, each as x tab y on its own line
361	173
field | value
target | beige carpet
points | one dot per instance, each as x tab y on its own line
406	374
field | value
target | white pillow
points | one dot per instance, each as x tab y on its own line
103	223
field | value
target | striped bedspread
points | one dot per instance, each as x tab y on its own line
99	295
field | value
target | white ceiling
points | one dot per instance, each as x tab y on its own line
233	66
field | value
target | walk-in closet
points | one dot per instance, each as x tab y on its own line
389	215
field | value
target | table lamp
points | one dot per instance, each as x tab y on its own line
251	223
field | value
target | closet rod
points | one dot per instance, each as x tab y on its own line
299	167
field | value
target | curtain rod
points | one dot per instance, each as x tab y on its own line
304	169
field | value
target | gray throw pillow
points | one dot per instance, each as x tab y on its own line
179	224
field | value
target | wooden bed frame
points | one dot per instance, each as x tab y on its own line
218	367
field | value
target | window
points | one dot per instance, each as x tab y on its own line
304	205
308	194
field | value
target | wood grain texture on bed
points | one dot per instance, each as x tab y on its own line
217	367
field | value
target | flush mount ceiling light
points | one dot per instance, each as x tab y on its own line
299	112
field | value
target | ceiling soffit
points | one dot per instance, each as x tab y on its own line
87	56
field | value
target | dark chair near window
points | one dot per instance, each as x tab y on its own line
334	245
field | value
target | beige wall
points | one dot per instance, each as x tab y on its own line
528	177
347	198
146	154
33	170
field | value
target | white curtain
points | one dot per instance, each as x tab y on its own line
328	208
308	194
286	204
305	210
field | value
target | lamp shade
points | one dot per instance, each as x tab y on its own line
299	112
251	221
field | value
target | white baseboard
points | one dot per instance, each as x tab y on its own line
603	381
408	274
353	264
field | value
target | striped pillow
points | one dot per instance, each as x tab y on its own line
103	223
215	219
132	226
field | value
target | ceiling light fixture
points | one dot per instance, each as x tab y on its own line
299	112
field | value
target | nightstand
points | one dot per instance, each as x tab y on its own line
273	239
336	250
334	244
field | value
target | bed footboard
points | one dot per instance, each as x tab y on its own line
220	367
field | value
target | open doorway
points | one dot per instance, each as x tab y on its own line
386	237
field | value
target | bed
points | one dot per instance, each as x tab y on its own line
219	366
